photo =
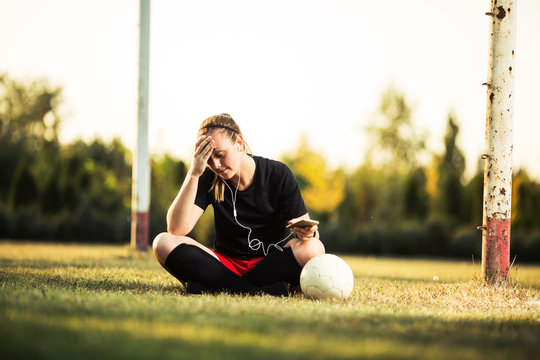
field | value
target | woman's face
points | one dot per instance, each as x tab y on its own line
225	159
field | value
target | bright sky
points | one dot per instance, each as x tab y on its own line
281	68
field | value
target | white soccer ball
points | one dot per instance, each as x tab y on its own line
326	277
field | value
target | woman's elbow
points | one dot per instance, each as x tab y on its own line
172	225
176	230
179	225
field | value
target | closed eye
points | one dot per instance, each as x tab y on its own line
216	156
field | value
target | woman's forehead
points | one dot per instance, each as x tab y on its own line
219	136
221	142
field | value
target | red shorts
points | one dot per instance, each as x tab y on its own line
238	266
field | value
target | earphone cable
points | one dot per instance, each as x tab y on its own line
254	244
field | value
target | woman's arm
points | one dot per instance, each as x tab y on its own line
183	214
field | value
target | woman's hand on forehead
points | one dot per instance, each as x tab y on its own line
203	150
201	139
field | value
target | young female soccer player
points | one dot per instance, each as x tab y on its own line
254	199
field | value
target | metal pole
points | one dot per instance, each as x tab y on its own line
498	155
140	198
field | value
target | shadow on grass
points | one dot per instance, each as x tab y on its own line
60	342
104	333
84	283
119	262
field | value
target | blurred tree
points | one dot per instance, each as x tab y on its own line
28	112
397	143
50	196
29	124
92	192
416	196
358	206
23	190
394	153
473	196
322	189
525	202
451	169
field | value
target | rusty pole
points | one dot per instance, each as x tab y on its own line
498	155
140	197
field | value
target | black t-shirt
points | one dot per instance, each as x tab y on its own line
272	199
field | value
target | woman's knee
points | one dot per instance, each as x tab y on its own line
163	244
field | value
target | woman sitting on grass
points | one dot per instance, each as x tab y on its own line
254	199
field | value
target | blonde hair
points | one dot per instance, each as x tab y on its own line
225	124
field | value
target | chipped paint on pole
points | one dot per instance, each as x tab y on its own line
140	197
498	155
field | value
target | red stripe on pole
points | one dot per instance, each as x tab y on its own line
139	230
496	250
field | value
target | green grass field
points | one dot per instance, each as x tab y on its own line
95	302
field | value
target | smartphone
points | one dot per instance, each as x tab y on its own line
303	222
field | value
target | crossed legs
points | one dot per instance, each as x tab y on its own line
184	258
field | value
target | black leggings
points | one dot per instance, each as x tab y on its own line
276	266
189	263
